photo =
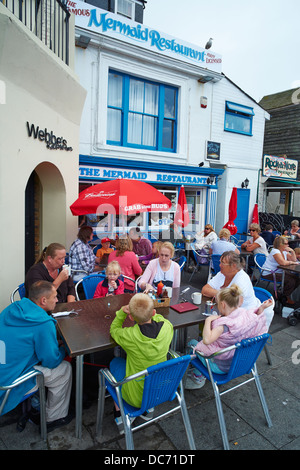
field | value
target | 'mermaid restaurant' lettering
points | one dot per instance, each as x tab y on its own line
146	35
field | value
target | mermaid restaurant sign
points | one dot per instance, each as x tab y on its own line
105	23
280	167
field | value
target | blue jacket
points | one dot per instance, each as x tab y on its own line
27	337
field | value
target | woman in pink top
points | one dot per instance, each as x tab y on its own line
233	325
127	260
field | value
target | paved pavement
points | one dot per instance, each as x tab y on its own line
246	426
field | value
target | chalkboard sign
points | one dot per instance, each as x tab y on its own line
213	151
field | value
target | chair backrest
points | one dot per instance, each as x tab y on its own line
262	294
216	263
162	381
199	257
181	262
89	284
245	356
20	290
260	259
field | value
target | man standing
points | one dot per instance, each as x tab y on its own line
29	335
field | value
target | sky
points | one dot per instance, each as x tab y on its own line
259	40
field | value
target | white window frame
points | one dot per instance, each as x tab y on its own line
118	8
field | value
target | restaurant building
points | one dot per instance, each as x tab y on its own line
39	143
161	110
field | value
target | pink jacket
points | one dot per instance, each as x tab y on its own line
102	288
241	324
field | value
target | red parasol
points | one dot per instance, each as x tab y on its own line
182	217
255	218
121	196
232	212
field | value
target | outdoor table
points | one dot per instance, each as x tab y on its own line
293	268
246	254
89	330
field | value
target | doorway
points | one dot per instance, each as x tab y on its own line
32	220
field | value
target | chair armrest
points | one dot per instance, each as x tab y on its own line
20	380
217	353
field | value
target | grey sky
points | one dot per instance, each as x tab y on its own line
259	40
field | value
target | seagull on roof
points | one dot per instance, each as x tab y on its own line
209	43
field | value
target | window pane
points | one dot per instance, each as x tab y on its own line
115	90
238	123
125	8
136	96
168	134
170	102
114	125
149	131
135	125
151	99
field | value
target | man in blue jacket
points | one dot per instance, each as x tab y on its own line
28	334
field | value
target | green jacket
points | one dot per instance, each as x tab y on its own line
142	352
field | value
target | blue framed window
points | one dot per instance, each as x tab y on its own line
238	118
140	113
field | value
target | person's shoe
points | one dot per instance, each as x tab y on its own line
119	421
194	380
148	414
60	422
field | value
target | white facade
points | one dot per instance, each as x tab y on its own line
36	89
240	154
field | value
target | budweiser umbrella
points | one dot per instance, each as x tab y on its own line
121	196
232	212
182	217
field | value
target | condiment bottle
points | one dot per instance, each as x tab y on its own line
160	287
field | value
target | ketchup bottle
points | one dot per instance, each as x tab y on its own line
160	287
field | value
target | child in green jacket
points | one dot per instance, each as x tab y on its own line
146	343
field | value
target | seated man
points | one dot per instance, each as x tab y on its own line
29	335
146	343
49	267
268	235
141	245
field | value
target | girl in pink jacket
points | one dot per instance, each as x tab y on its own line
111	285
231	326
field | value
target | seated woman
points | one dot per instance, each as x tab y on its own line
161	269
294	230
232	272
49	267
282	255
111	285
256	243
81	256
127	260
147	258
205	238
218	247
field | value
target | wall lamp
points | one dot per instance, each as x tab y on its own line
245	183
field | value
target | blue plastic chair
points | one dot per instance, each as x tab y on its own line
89	284
215	259
259	260
199	258
262	295
181	262
40	383
20	290
162	383
243	362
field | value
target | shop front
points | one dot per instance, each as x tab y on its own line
281	188
200	186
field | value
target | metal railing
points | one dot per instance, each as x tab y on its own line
47	19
